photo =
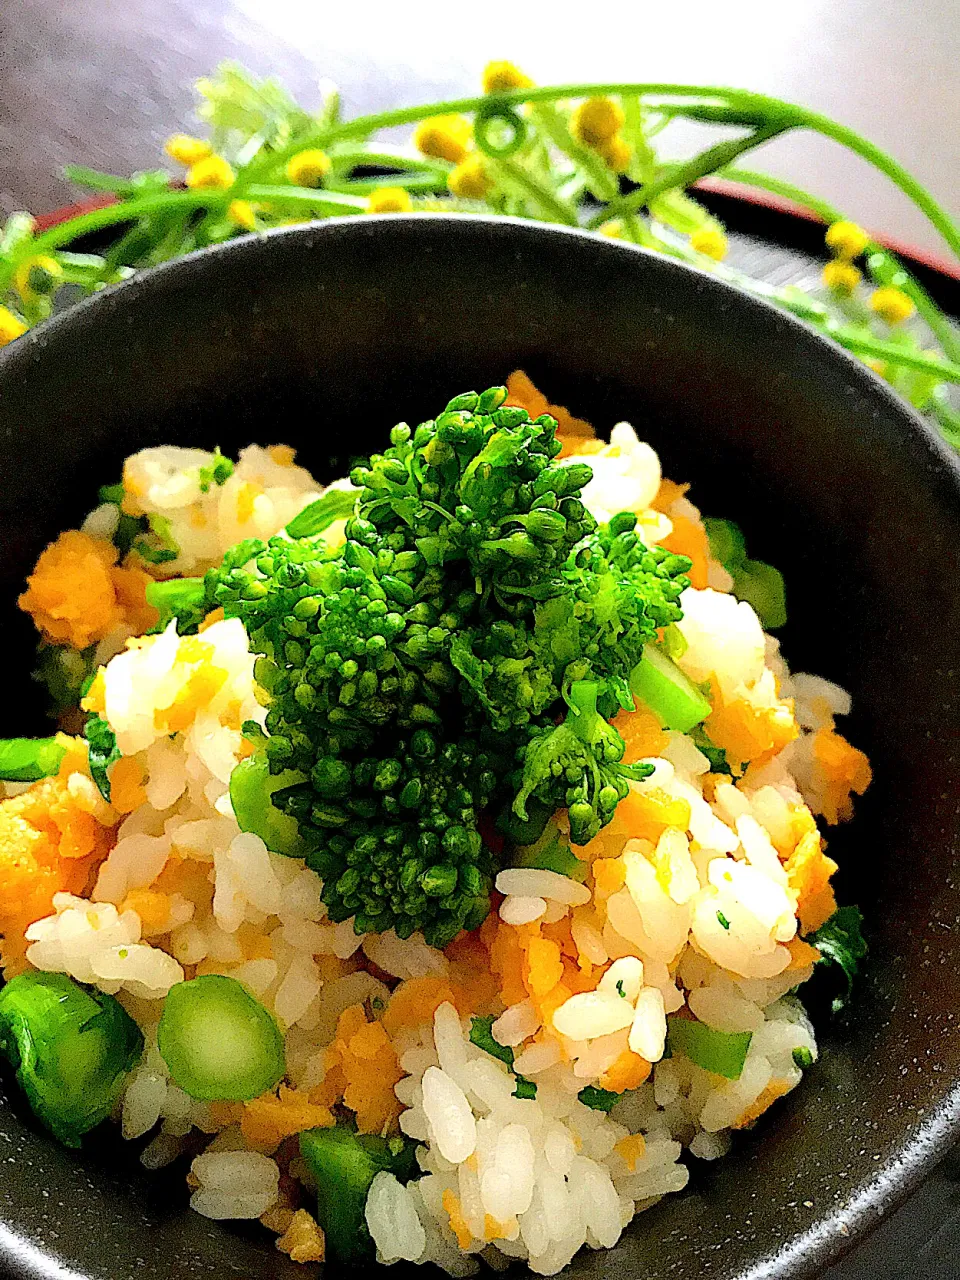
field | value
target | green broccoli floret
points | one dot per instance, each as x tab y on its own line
416	675
578	766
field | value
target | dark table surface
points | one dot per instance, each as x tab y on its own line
103	82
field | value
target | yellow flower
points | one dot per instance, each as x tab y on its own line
615	153
186	150
241	212
443	137
11	326
711	242
841	277
25	281
878	366
470	179
389	200
308	168
211	171
847	240
891	305
612	229
596	121
501	77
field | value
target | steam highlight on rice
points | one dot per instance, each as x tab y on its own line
440	852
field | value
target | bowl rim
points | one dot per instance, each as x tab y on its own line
844	1225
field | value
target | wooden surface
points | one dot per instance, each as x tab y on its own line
102	82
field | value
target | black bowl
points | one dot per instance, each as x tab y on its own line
324	336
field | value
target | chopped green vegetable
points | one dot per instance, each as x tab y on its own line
217	471
673	698
251	793
802	1057
27	759
344	1164
335	504
102	751
219	1043
762	586
71	1047
112	493
721	1052
722	920
551	852
841	942
597	1099
716	755
759	584
180	598
157	545
482	1037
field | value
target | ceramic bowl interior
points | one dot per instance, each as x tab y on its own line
325	336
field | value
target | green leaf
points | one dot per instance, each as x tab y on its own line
841	942
335	504
103	751
525	1088
482	1037
597	1099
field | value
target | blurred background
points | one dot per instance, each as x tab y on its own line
104	82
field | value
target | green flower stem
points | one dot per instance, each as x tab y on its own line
780	116
299	197
388	157
895	171
557	210
874	347
434	184
885	268
684	175
362	126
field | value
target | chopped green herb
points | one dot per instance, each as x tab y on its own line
841	942
620	991
217	471
157	545
722	919
482	1036
597	1099
803	1057
715	755
111	493
525	1088
102	751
